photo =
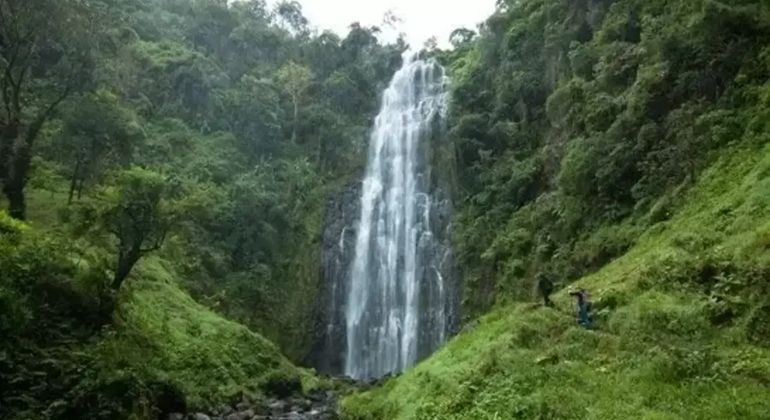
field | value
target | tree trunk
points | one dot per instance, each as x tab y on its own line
81	184
74	181
14	191
294	126
13	187
8	135
126	262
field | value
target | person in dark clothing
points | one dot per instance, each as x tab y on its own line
545	288
584	317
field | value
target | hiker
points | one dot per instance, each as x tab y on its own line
545	288
584	317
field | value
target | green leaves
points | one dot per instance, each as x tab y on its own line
621	101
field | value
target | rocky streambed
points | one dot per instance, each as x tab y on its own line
285	401
320	405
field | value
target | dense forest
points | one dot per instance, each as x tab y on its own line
181	139
204	131
578	124
619	146
165	166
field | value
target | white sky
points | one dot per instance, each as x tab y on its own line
421	19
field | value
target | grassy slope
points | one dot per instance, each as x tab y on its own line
664	349
162	334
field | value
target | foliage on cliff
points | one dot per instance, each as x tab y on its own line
578	124
681	327
65	354
172	158
220	125
619	146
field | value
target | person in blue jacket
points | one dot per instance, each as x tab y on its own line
584	317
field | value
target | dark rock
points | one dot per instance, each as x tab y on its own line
329	416
223	410
175	416
300	404
318	396
168	399
277	407
283	387
338	240
241	415
242	406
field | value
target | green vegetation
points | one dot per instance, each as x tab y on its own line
576	125
165	165
58	325
619	146
681	328
171	159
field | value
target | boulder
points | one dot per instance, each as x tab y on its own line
241	415
223	410
283	387
277	407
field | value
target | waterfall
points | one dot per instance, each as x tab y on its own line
397	300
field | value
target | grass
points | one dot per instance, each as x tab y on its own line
680	332
163	334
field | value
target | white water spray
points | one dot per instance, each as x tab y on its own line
396	307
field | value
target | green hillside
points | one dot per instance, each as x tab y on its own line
159	343
170	160
619	146
682	328
166	166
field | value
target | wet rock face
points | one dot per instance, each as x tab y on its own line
338	241
283	387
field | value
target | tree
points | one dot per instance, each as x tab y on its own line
291	13
461	36
42	61
295	80
391	20
135	210
431	44
97	130
253	113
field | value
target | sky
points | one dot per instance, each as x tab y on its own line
421	19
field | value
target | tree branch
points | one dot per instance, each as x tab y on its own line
37	124
6	96
17	90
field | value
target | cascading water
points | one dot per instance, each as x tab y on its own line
398	302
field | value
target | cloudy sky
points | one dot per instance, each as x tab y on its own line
421	18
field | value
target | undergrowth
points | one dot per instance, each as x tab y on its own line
71	349
681	327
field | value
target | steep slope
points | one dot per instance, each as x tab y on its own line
164	334
571	120
681	327
64	353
